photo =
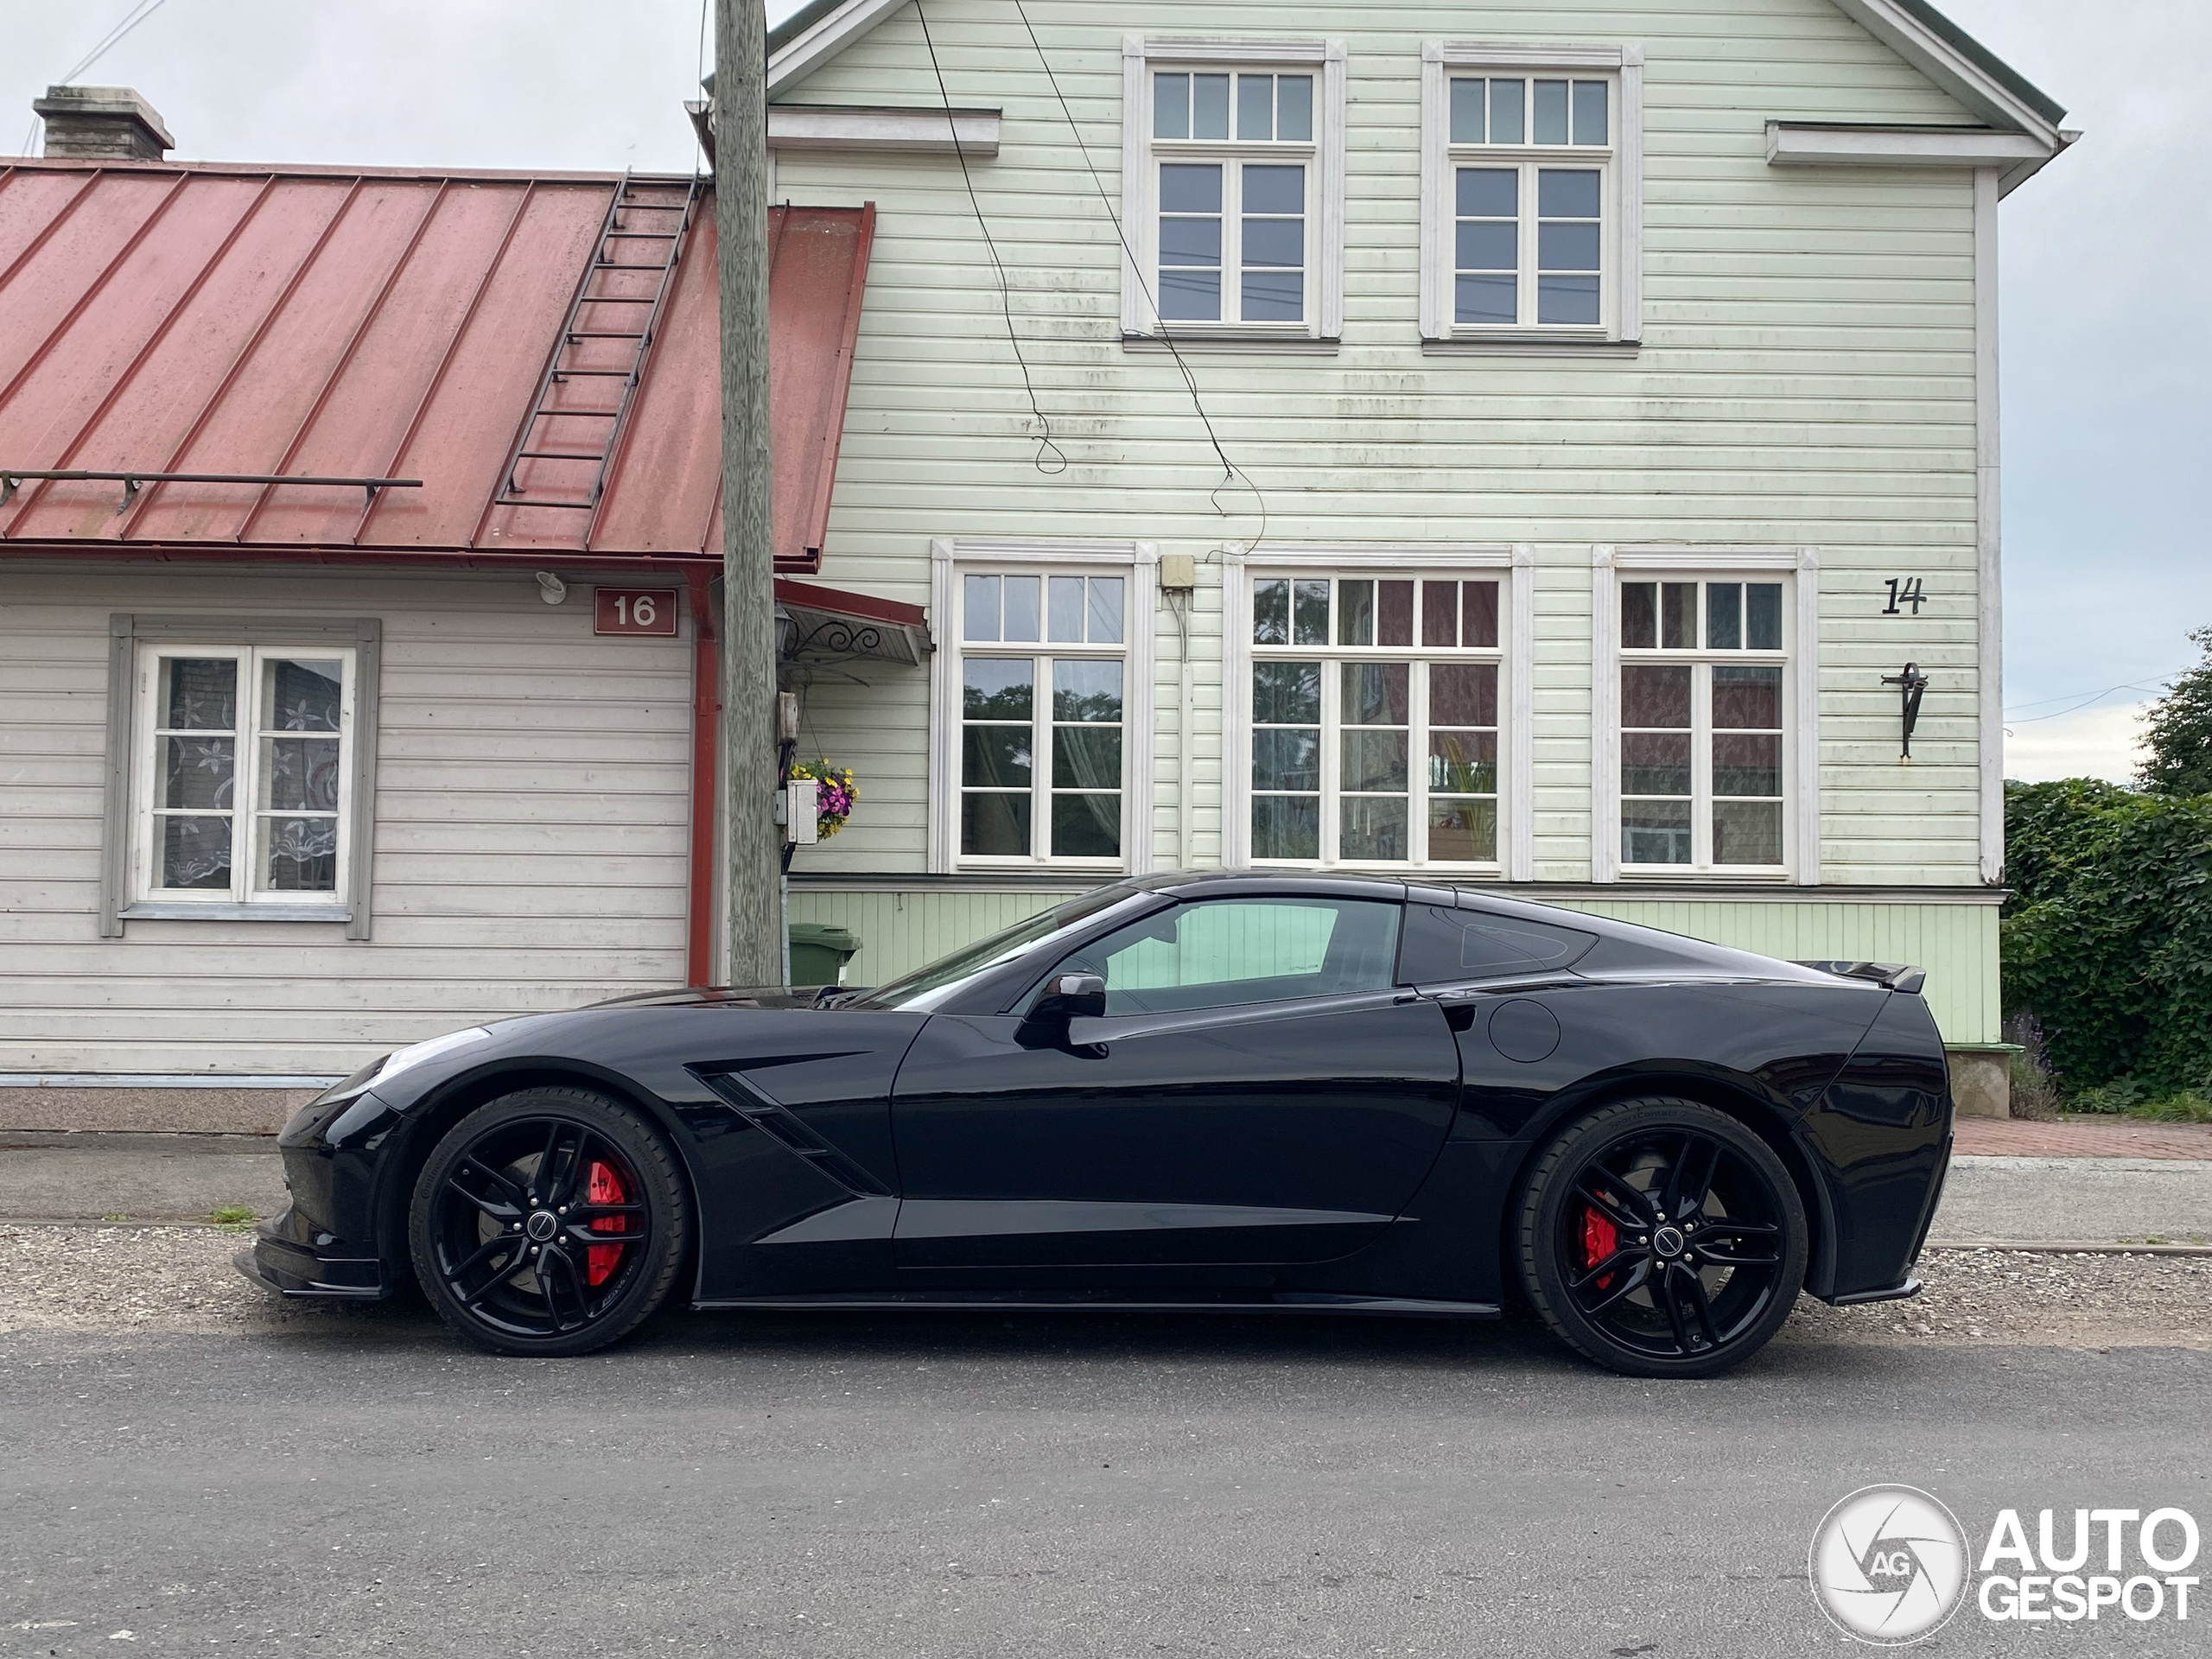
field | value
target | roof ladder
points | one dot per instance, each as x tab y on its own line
571	444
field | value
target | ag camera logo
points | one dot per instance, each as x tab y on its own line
1888	1565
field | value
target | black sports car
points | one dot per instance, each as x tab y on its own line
1238	1091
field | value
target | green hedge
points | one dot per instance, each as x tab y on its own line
2107	935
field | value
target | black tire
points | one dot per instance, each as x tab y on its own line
594	1246
1700	1224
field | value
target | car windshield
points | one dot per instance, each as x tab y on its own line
931	987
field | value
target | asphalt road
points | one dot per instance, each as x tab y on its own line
352	1481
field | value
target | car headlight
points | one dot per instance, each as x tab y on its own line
416	1054
383	1069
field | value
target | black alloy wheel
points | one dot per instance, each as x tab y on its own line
1660	1238
548	1222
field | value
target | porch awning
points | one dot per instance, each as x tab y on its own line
816	624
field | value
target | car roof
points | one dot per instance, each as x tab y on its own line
1634	946
1190	884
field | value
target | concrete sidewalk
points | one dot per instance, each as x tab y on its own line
138	1176
2020	1200
1986	1198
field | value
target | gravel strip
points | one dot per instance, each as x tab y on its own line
179	1279
141	1278
2032	1298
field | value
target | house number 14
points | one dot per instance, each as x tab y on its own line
1903	591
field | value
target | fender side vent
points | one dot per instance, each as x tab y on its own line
788	1129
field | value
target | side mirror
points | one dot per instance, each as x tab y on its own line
1065	997
1072	996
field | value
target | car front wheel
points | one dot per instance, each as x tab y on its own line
548	1222
1660	1238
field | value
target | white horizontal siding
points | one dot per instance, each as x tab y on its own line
531	830
1807	379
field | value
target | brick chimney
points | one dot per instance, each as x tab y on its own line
104	123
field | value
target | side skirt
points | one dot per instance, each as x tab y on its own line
1909	1289
1015	1301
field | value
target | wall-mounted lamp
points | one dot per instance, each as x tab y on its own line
550	588
1912	686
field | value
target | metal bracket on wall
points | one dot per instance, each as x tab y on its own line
1912	686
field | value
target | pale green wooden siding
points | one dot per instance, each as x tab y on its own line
1956	942
1806	380
899	931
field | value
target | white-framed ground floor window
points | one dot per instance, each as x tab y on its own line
1041	717
1377	708
241	763
1704	740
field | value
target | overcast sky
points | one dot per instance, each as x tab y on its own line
2106	365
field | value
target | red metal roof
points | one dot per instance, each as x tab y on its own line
305	321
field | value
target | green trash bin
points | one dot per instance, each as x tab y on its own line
819	953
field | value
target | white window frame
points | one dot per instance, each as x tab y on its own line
954	558
1798	568
1621	305
358	638
146	747
1325	187
1514	566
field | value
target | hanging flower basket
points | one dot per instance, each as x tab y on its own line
834	793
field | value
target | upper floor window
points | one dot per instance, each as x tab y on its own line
1532	211
1233	182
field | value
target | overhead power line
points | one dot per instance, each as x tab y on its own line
2094	697
1230	471
1051	458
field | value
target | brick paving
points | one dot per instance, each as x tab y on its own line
2106	1137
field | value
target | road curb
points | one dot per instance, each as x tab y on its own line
2066	1247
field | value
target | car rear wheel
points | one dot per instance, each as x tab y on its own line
548	1222
1660	1238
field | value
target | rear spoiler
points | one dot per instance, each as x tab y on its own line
1889	976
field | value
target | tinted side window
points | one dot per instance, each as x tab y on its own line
1223	952
1445	945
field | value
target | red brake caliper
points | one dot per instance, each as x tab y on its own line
603	1186
1600	1238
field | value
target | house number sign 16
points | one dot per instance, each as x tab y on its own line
634	610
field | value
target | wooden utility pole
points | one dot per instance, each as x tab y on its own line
749	731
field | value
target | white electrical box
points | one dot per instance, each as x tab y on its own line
802	812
